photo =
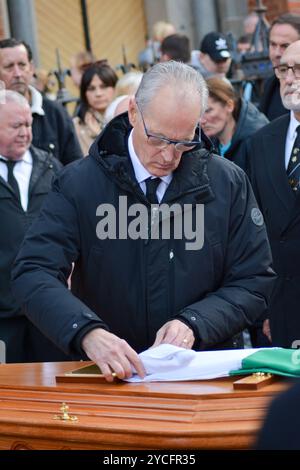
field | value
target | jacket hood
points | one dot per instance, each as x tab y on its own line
110	150
250	120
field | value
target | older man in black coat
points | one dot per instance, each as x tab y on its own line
274	158
26	175
167	241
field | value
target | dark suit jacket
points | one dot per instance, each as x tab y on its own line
54	132
281	210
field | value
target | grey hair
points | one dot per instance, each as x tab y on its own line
163	74
129	83
10	96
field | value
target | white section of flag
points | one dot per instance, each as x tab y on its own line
171	363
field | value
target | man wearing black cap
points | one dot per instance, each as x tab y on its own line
215	57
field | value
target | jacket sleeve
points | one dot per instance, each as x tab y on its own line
247	280
42	269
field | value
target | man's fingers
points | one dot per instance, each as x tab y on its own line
159	337
137	364
177	333
108	373
122	368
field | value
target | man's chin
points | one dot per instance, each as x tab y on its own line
19	88
159	172
292	104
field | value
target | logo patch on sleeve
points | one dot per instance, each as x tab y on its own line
257	217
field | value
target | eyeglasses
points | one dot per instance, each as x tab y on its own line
281	71
98	63
162	142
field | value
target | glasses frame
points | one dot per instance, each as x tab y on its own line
288	68
187	144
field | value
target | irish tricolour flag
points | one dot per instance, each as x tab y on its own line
171	363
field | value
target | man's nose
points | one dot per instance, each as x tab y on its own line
16	71
23	130
168	153
277	51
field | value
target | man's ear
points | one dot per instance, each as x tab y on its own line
164	58
132	111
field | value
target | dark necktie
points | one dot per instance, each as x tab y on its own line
151	187
293	169
11	177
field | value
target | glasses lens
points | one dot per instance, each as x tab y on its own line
157	142
184	147
281	71
297	70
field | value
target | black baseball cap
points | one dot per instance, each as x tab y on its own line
215	45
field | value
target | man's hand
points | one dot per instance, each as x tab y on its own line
267	330
175	332
112	354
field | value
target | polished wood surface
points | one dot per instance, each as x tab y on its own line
171	415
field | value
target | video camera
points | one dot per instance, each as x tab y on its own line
254	67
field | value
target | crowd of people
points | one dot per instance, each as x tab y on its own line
83	273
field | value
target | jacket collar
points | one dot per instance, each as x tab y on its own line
111	151
40	161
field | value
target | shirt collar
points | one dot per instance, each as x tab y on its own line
27	158
36	101
294	123
141	173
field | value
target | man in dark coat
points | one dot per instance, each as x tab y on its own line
196	283
270	153
52	128
284	31
26	174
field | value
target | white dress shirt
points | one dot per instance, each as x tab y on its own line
290	137
141	173
22	172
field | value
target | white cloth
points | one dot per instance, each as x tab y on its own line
22	172
141	173
168	363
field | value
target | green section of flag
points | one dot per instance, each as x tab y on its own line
276	361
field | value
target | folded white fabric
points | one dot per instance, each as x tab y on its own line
171	363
